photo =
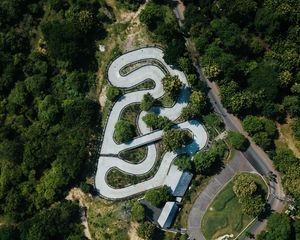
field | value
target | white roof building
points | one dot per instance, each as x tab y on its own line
178	181
167	215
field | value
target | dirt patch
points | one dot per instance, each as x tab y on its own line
102	96
286	137
132	233
77	194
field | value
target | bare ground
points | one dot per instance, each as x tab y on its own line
132	232
286	137
134	36
77	194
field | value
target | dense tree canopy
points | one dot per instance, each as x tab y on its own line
262	130
113	93
208	162
124	131
249	48
158	196
137	212
147	102
146	230
196	107
238	141
278	228
155	121
184	162
249	195
171	85
48	121
174	139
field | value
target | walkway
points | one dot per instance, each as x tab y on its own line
111	148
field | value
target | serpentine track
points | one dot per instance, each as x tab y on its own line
148	137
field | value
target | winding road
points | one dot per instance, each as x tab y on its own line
110	148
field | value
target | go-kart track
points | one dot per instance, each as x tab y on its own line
110	149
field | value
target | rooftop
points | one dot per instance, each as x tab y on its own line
167	215
178	181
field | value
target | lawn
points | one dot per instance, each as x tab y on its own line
224	215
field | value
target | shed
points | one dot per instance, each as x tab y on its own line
168	214
178	181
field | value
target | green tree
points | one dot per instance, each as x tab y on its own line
158	196
244	185
173	139
113	93
192	79
292	105
278	228
137	212
151	15
284	158
296	128
263	140
175	44
253	205
185	64
253	124
124	131
48	224
238	141
212	71
171	85
183	162
157	122
147	102
196	107
8	232
146	230
204	161
265	79
291	180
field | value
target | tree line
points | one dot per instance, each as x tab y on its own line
251	50
48	122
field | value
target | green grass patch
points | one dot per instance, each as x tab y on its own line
119	179
166	101
224	215
146	85
134	155
130	114
105	111
108	220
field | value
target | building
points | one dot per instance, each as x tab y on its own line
167	215
178	181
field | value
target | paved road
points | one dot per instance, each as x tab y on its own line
254	155
109	151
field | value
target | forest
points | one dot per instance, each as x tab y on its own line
251	50
48	116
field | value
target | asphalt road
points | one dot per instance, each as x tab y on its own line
255	155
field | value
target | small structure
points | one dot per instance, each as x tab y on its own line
101	48
178	181
167	215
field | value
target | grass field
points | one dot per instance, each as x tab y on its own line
224	215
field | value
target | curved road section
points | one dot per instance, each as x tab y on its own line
110	148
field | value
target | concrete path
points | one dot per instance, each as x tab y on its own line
110	147
238	163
